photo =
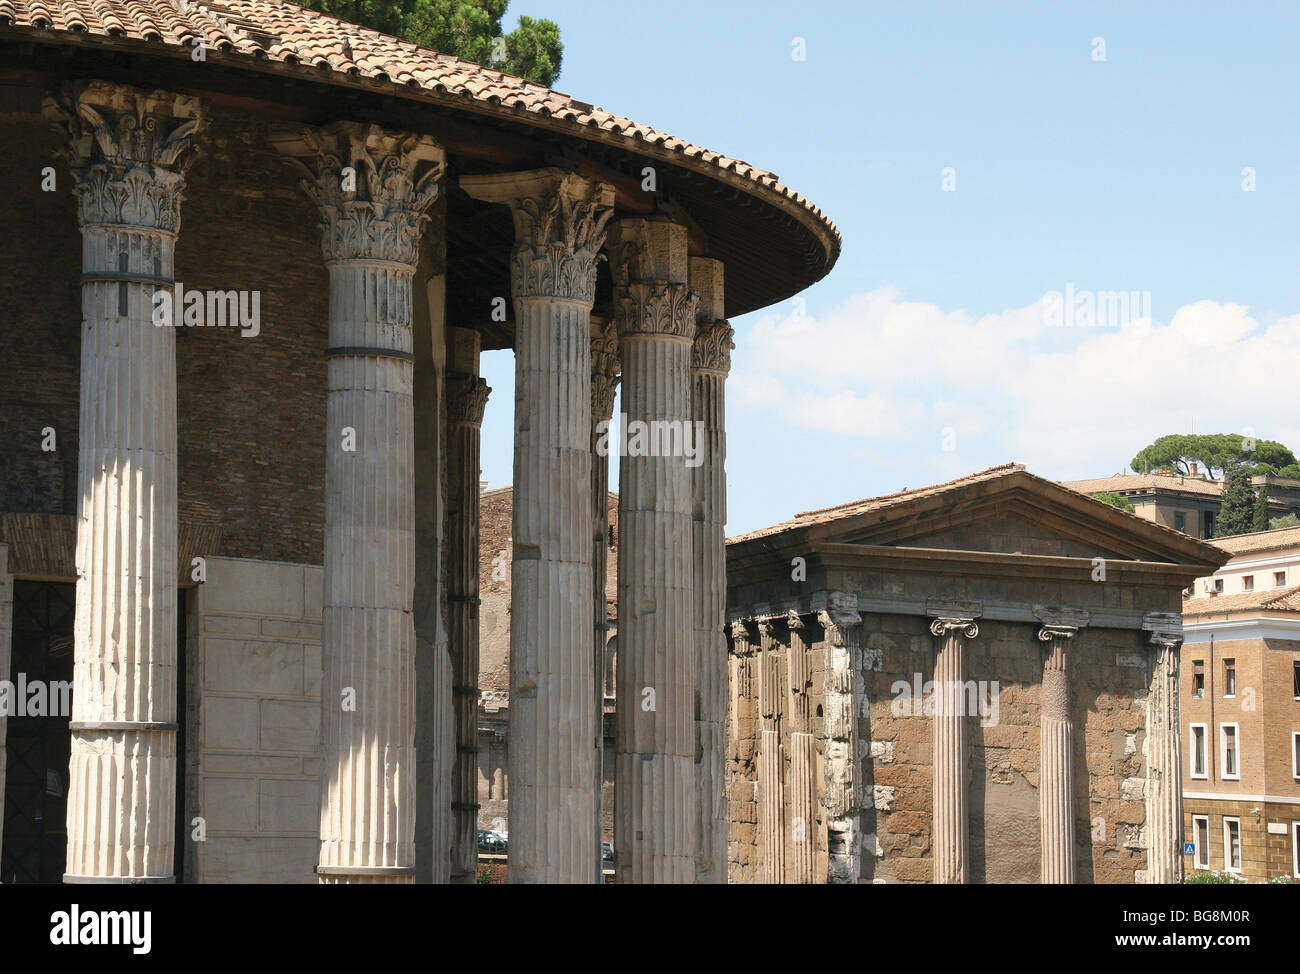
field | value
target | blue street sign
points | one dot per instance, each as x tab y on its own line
1189	848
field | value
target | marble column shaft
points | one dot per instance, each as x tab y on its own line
128	151
951	828
559	230
771	760
803	756
466	398
371	220
604	383
1056	778
655	804
710	364
1164	750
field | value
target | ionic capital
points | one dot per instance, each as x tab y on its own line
373	187
1165	629
794	620
128	151
943	625
839	617
1048	634
711	351
467	397
560	220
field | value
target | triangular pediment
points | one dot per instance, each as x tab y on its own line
1006	510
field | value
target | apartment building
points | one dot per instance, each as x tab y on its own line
1240	676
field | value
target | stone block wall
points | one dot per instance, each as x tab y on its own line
6	643
253	676
894	750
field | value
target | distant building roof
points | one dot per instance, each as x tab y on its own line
1240	544
1285	600
1139	481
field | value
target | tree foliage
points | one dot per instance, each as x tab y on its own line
1285	521
469	29
1115	500
1260	520
1216	452
1237	507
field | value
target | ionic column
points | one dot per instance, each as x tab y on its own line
467	396
842	625
655	743
803	755
559	230
710	363
950	836
604	383
128	151
373	188
1164	751
1056	778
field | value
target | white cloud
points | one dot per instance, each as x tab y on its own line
1069	401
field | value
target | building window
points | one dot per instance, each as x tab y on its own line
1232	844
1295	754
1218	585
1279	579
1209	525
1229	677
1295	679
1201	839
1180	521
1228	734
1198	679
1248	583
1198	754
1295	849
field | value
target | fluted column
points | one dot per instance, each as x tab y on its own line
654	813
1056	777
710	363
1164	749
373	188
559	230
605	368
803	755
771	760
950	839
128	151
842	698
466	398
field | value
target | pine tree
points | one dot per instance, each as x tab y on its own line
1261	509
1237	507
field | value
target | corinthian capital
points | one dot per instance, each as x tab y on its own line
605	367
656	308
712	349
128	150
467	397
373	187
560	223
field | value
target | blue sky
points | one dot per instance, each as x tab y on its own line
928	351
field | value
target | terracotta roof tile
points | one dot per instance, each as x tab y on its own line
1277	600
1260	540
1137	481
873	503
310	38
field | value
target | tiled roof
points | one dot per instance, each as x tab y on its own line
1278	600
279	31
873	503
1240	544
1137	481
